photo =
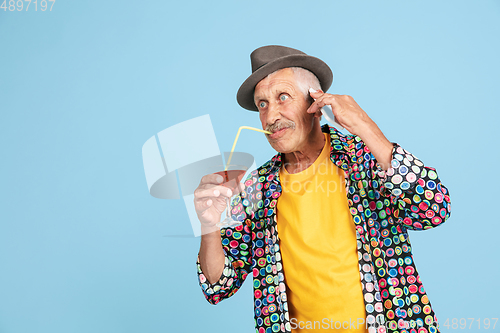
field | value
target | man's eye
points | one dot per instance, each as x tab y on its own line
283	98
262	105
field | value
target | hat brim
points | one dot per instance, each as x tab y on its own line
313	64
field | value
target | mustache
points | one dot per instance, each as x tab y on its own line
280	124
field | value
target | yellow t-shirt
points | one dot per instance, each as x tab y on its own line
318	247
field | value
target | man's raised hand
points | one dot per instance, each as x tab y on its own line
345	109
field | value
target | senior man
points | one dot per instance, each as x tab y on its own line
325	221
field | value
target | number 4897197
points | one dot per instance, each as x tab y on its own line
19	5
470	323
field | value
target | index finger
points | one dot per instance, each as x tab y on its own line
212	178
325	99
314	107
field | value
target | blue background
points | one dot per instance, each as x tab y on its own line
83	245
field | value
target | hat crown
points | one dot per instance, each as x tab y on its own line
266	54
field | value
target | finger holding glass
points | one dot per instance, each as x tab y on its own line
232	175
210	200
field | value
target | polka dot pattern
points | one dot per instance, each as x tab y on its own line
384	205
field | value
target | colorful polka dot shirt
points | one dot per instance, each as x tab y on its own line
384	206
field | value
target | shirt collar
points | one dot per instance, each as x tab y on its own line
342	147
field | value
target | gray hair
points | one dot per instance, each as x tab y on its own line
304	78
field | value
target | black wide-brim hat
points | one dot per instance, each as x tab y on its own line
268	59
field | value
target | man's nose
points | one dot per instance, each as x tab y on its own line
273	113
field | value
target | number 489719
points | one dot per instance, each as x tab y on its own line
19	5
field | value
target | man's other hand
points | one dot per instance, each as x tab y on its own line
354	119
345	109
210	200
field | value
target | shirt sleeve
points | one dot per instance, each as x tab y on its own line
228	283
418	198
236	243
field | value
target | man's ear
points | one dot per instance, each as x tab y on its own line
309	100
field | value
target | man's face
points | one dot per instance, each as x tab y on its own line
282	110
